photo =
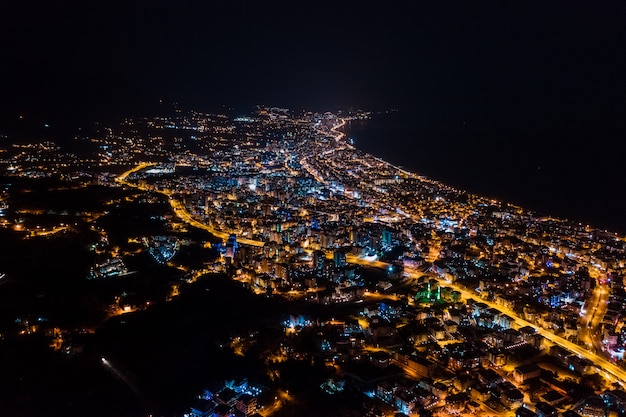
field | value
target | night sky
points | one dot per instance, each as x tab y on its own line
484	61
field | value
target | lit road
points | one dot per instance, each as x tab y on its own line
338	135
607	367
595	309
180	209
282	397
122	377
44	232
122	178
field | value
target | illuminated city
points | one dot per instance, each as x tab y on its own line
312	209
395	292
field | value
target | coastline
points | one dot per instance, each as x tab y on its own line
543	184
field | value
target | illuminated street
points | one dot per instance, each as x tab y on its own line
309	219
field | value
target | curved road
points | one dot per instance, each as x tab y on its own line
601	362
180	209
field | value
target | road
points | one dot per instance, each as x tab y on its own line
609	369
179	208
594	310
282	397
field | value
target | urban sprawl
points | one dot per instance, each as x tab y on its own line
454	304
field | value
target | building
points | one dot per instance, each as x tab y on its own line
512	398
340	259
545	410
231	246
593	406
246	404
525	372
524	412
420	365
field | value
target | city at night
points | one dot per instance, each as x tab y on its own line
330	209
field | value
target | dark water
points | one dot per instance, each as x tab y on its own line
569	172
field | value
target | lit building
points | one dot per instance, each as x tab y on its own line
231	246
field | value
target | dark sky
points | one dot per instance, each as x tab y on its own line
496	88
502	62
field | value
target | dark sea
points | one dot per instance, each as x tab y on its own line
572	173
